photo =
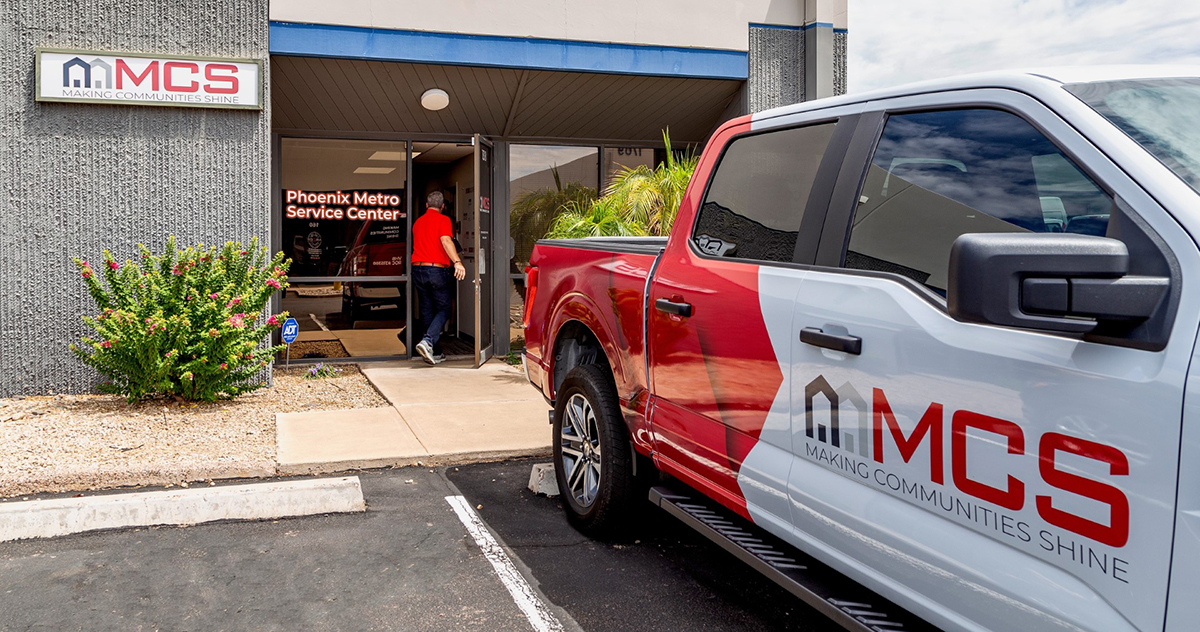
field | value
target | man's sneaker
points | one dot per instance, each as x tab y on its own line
426	351
439	358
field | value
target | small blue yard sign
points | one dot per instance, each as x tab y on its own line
291	329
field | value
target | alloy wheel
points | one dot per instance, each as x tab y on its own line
580	443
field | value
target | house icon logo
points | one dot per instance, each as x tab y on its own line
96	74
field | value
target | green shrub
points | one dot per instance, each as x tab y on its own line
187	323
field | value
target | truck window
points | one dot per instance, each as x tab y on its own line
758	193
938	175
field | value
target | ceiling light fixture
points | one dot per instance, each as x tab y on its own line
435	99
375	170
387	155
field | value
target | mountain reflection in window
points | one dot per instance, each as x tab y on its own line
723	233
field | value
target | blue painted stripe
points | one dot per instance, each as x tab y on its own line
789	27
782	27
349	42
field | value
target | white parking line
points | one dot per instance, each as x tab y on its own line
318	322
530	605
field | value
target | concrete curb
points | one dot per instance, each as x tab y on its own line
424	460
256	501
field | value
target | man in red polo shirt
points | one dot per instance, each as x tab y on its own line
435	267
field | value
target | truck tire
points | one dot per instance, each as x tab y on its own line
592	455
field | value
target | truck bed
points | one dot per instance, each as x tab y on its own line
632	245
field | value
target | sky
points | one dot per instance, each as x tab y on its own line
893	42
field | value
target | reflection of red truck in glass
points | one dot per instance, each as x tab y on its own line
378	250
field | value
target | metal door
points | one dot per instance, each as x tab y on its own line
484	346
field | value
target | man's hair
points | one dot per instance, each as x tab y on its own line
435	199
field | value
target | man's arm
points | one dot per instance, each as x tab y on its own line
460	272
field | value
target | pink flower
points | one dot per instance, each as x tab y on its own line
213	333
278	271
242	252
233	302
147	320
177	271
87	273
106	344
237	320
213	296
224	366
273	321
113	265
273	283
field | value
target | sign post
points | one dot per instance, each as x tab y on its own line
291	329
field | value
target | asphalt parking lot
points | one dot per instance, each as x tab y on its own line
406	564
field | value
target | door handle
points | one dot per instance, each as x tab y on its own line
818	338
671	307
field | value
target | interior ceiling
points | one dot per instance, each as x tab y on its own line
345	95
323	164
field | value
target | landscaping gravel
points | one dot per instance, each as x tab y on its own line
59	443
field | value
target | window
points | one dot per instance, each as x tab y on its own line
938	175
758	194
617	159
1160	114
542	180
344	223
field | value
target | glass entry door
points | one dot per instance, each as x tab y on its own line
484	346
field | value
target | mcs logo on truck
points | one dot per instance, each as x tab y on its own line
1028	489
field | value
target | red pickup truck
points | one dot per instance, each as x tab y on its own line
934	339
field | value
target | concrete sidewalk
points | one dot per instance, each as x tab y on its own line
451	413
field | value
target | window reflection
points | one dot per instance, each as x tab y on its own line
542	179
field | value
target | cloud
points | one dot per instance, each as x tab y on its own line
893	43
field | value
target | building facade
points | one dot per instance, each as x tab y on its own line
365	105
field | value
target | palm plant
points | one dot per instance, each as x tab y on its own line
599	218
650	197
533	211
639	201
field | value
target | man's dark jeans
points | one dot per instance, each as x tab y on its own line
435	293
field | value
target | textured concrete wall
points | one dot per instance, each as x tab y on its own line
76	179
840	56
776	75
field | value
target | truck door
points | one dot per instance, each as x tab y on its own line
723	293
987	476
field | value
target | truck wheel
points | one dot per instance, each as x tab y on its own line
592	456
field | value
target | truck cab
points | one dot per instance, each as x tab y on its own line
938	337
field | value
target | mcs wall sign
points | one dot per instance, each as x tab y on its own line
80	76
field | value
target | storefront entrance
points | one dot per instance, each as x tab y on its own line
345	215
363	126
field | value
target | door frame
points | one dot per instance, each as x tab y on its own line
485	152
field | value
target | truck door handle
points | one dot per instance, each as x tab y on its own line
671	307
818	338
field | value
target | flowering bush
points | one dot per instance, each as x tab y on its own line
187	323
321	370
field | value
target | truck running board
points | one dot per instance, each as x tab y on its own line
844	601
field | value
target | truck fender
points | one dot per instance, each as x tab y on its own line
578	308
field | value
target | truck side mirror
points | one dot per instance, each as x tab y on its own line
1048	281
